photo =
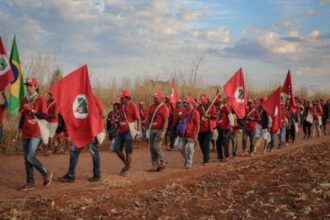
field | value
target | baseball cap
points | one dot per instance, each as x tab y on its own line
31	81
158	95
125	94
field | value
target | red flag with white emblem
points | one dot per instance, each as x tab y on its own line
6	73
80	109
235	90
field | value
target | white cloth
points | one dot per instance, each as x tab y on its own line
52	128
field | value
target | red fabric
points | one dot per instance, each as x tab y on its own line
161	114
176	115
6	74
273	108
132	113
192	124
207	124
235	90
82	128
252	118
223	122
99	104
2	112
288	89
144	113
30	127
52	109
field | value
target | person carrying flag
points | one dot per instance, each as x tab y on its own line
158	123
33	107
208	115
93	149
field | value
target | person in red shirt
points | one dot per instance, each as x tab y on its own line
3	108
177	112
249	130
33	106
170	107
113	120
158	124
144	113
128	113
224	127
317	116
208	115
187	143
52	119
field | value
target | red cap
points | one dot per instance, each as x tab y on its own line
158	95
263	99
141	103
190	100
125	94
250	101
32	82
204	97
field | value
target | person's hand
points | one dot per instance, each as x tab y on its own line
137	137
27	108
206	115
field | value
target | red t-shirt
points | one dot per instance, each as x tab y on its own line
251	121
132	113
30	127
207	124
192	124
160	116
2	112
52	109
176	114
223	122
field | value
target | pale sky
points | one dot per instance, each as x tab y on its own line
133	38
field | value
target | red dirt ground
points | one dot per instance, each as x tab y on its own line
291	183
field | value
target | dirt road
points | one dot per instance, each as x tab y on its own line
291	183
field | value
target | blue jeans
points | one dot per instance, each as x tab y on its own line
282	135
74	156
251	134
187	149
157	155
30	147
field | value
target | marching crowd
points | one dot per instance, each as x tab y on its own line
184	124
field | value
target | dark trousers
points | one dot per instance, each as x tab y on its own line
204	139
223	143
251	134
307	128
290	132
173	136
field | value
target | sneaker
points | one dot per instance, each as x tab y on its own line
94	178
187	166
48	178
205	163
66	178
27	187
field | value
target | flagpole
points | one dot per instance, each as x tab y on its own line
215	98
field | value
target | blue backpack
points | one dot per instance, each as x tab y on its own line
182	126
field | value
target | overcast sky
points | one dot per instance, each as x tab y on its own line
134	38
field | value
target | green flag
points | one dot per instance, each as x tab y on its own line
17	89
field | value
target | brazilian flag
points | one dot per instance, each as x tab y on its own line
17	89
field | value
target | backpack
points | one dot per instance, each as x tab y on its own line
182	125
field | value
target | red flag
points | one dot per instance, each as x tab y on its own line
288	89
76	102
273	107
235	90
174	93
6	73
